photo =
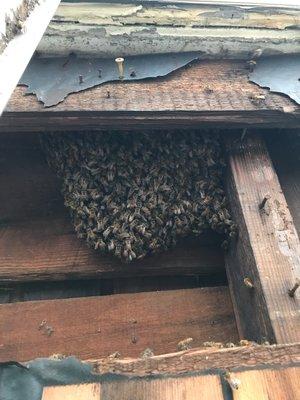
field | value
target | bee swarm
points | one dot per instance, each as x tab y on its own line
133	194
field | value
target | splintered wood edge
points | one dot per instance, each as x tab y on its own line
201	360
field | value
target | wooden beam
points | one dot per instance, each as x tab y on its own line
49	250
128	323
215	93
203	360
267	251
285	153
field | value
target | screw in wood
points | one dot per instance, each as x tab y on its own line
248	283
294	288
263	202
233	382
80	79
120	64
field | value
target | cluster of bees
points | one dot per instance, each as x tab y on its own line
134	194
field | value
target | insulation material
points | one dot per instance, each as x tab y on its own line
135	194
280	74
52	79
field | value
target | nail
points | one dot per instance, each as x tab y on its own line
248	283
99	73
108	94
80	79
294	288
120	64
264	200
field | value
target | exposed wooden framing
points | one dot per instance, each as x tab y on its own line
30	21
285	153
215	30
267	250
129	323
203	360
37	240
209	92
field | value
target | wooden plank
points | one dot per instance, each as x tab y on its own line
168	388
176	388
37	241
133	29
90	391
285	153
129	323
210	92
49	250
267	250
265	384
203	360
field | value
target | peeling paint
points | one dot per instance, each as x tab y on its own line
109	30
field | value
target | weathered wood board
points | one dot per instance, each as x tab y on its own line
215	30
209	92
267	250
257	384
128	323
155	389
265	384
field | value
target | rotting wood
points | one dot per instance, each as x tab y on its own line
267	250
37	241
128	323
202	360
217	31
210	92
282	384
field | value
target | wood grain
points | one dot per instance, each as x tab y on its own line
89	391
285	153
208	92
177	388
203	360
266	384
37	241
267	250
129	323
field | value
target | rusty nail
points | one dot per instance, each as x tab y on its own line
294	288
120	64
80	79
263	202
248	283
